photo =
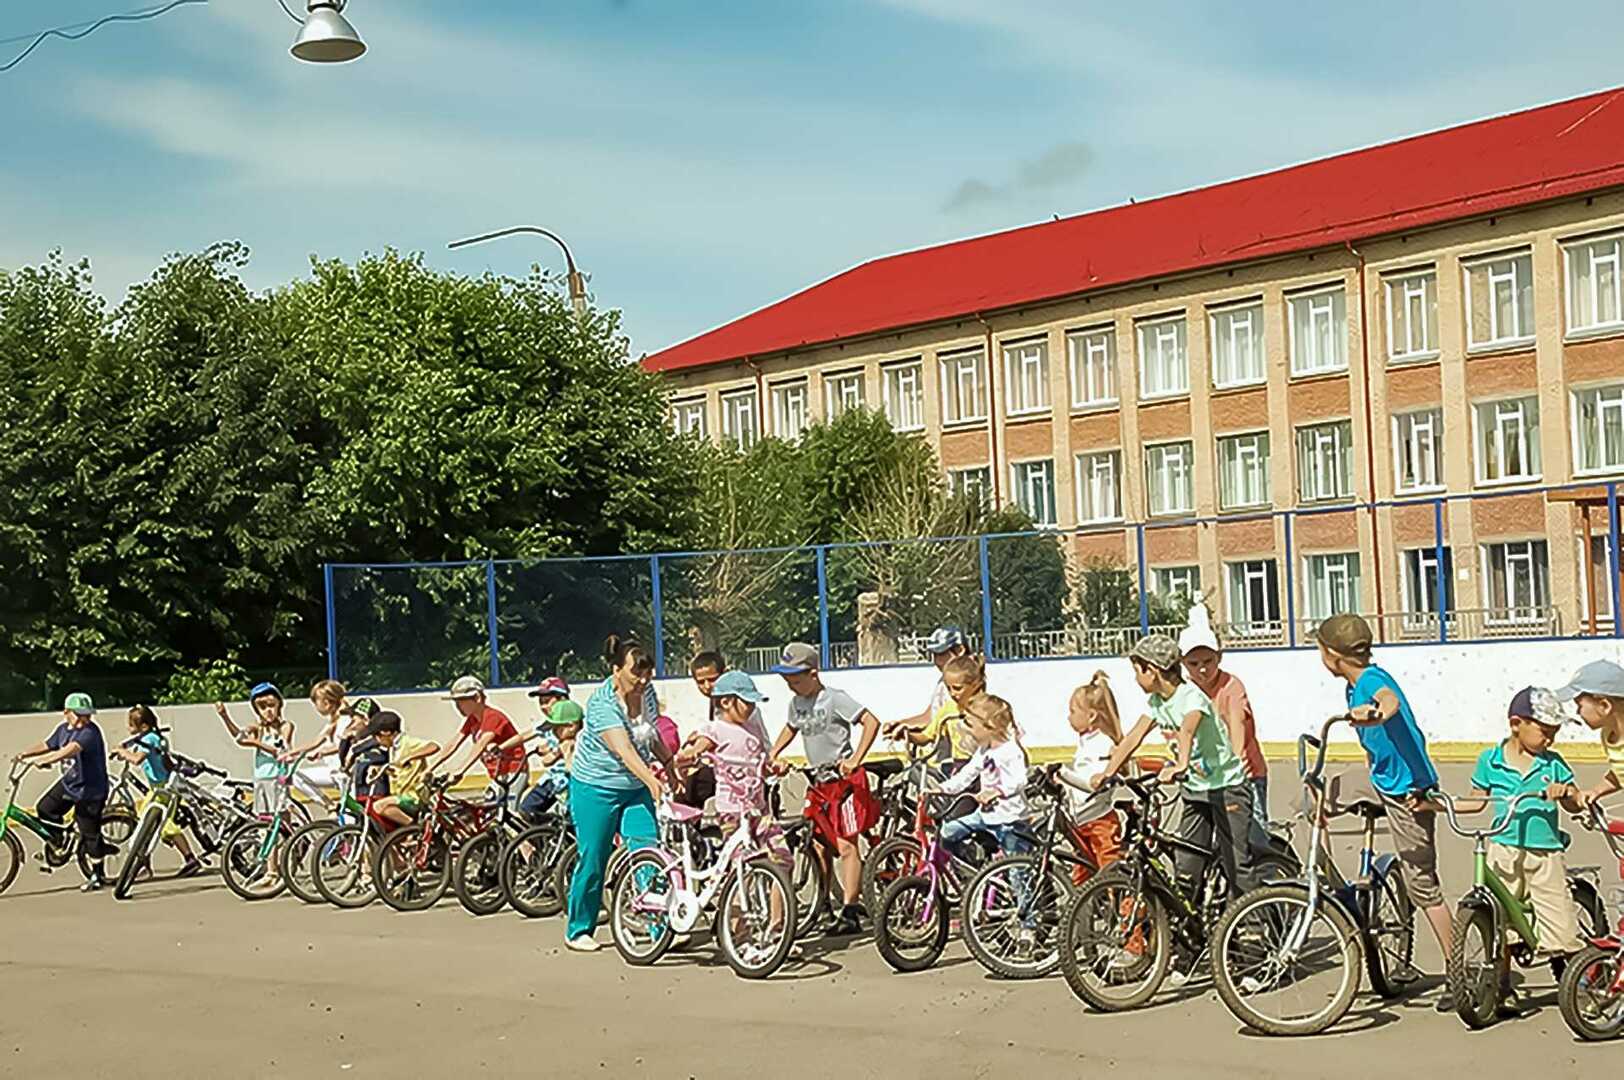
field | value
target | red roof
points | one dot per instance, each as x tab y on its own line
1526	157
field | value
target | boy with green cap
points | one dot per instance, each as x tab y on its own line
76	744
561	721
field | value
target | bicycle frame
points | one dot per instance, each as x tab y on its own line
1487	888
47	831
683	905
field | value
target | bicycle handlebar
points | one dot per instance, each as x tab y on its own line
1593	819
1497	827
1320	744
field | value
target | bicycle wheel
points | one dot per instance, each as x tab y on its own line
118	829
811	880
1477	965
477	873
910	924
1011	919
249	862
137	851
1592	1008
564	869
296	860
528	883
887	861
1389	931
1283	967
755	919
341	866
412	872
639	908
11	860
1115	946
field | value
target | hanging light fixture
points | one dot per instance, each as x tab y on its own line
327	36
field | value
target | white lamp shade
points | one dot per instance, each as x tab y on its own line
327	37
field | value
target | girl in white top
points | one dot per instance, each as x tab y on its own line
1093	823
999	763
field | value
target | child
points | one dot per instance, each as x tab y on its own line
269	735
344	723
76	744
1093	825
740	756
1400	769
561	721
408	767
999	763
1527	854
146	748
706	669
839	801
1202	657
1598	690
964	678
944	645
491	730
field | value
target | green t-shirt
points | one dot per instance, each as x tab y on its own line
1213	762
1535	826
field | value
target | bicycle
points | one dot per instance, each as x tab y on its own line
1119	935
251	860
411	868
61	842
299	865
1276	942
1591	990
476	874
530	877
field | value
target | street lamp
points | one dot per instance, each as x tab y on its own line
326	36
577	283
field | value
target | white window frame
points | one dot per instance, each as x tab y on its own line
843	391
904	380
1612	254
688	417
1496	275
1164	454
1092	357
963	373
1225	338
1424	610
1022	475
1253	445
1528	435
1098	472
1523	553
1341	450
975	477
1335	310
741	405
1324	575
1418	441
1173	581
1166	332
1608	407
1239	577
1604	587
1401	290
1026	377
791	412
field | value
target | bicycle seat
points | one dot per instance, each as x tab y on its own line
884	768
681	813
1352	793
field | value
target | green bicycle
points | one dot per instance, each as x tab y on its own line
61	841
251	861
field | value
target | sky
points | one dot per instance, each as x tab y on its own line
705	159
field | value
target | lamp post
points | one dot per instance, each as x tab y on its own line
326	36
577	283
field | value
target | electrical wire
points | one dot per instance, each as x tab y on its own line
79	30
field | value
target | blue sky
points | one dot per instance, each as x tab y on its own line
704	159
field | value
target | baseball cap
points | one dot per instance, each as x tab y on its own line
944	638
365	707
383	720
798	657
466	687
264	689
1538	704
737	684
564	712
551	685
80	704
1198	633
1158	650
1346	634
1600	677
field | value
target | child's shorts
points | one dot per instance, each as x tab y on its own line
267	793
171	831
1542	876
1415	839
768	835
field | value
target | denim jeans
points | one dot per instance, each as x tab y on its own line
1220	821
539	799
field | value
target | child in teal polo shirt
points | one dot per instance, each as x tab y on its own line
1527	853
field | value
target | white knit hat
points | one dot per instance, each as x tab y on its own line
1198	634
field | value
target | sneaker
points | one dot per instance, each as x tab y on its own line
1559	964
193	867
582	943
1445	1003
94	883
846	924
1511	1006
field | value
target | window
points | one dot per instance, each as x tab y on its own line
964	386
1093	366
842	393
1508	440
789	409
1594	301
1254	598
1163	368
1412	317
1034	490
1319	332
1175	582
1516	581
1169	482
1499	301
1243	471
975	482
1418	449
1237	345
688	417
1595	569
739	418
904	403
1330	585
1598	429
1325	461
1422	583
1098	496
1026	375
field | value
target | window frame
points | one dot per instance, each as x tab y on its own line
1352	571
958	485
1078	363
1264	463
1429	311
1530	449
915	367
730	416
1510	610
1604	585
1520	340
1082	482
1402	449
698	405
1333	292
1418	616
1346	456
1187	454
1253	309
1252	626
1572	332
950	373
1602	408
777	394
1190	570
1179	323
1021	490
835	404
1011	353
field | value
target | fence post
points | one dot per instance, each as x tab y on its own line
1291	586
1144	586
823	606
1442	583
659	617
986	600
332	622
1612	557
490	620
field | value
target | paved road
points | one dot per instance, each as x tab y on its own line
186	980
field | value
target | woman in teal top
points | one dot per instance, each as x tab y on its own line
613	786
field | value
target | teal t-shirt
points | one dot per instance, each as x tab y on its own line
594	762
156	764
1534	826
1213	762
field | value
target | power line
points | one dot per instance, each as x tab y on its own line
76	31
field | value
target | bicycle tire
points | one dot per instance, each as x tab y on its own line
528	882
1250	915
296	861
353	847
421	887
910	924
743	880
1476	987
11	860
1083	946
476	876
117	830
1389	932
811	880
887	861
983	939
625	912
1591	967
137	853
1592	909
246	873
564	869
